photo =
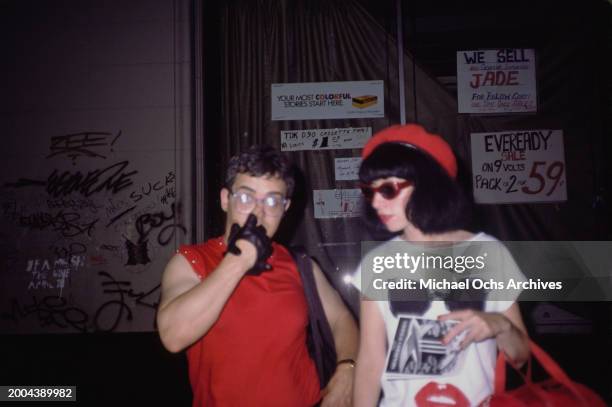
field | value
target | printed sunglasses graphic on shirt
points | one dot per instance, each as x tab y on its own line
418	352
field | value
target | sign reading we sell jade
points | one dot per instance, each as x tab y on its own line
328	100
518	166
496	81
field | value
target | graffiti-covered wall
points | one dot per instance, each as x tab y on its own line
95	119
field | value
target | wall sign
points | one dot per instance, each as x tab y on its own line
337	203
328	100
325	139
518	166
347	168
496	81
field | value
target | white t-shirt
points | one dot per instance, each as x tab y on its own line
416	357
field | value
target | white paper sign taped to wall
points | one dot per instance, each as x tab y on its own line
337	203
325	139
496	81
518	166
328	100
347	168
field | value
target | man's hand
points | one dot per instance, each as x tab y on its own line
256	235
339	390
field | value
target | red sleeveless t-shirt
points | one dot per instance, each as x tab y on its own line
255	354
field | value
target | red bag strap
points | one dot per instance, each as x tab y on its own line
500	373
551	367
548	363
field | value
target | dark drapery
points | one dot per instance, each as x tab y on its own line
284	41
281	41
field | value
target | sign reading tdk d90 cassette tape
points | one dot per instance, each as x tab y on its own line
518	166
325	139
328	100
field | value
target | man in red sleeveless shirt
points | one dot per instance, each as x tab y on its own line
237	304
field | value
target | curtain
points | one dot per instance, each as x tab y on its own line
284	41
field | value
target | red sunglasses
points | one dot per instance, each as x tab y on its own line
387	190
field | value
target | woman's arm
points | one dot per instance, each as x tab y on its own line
507	328
514	342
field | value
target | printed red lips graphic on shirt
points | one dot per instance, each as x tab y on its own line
440	395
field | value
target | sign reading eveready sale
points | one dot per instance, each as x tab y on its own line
519	166
496	81
327	100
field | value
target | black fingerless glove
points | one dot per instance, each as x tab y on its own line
256	235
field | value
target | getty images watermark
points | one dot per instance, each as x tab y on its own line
528	271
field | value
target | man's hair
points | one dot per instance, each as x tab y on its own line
437	204
261	160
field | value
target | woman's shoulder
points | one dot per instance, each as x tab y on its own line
482	237
465	236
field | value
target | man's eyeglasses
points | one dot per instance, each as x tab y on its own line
245	202
387	190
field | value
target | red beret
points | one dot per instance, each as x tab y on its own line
417	137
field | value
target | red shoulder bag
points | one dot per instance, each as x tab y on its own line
558	390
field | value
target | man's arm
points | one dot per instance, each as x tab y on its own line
346	339
190	306
371	357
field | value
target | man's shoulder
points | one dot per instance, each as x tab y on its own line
212	244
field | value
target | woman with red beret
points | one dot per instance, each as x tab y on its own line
435	351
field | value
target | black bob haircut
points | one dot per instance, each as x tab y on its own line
438	203
261	160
